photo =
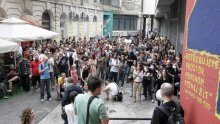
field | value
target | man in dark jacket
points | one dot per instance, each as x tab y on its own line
68	90
24	72
159	117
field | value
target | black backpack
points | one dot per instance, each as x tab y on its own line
119	96
174	116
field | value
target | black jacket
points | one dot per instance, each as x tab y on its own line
68	90
159	117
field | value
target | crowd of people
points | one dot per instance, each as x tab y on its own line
144	63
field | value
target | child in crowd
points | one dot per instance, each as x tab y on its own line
74	74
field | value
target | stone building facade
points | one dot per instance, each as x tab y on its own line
79	18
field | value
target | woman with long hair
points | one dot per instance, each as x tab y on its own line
137	84
93	63
27	116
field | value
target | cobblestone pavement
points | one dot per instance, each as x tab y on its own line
125	109
11	109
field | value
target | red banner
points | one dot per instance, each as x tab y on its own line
199	87
200	78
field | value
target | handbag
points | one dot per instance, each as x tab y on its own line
89	102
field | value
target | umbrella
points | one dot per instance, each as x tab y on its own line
17	30
8	46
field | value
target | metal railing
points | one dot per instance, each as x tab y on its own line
143	119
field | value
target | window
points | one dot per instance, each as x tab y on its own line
121	24
95	19
124	22
128	24
77	17
115	24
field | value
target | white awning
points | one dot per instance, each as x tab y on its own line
17	30
8	46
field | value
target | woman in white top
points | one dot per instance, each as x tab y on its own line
69	109
137	84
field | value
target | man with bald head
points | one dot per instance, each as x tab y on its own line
44	70
161	113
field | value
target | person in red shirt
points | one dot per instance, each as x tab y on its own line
35	72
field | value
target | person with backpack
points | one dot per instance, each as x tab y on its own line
111	90
24	72
44	70
89	108
169	112
64	64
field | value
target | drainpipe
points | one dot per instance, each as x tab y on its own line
143	19
55	16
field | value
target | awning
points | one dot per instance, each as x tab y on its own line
17	30
7	46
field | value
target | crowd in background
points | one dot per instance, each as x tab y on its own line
145	63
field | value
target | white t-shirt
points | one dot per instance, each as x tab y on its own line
41	57
107	53
112	88
114	62
51	61
71	117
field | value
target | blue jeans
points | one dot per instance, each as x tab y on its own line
107	72
121	78
45	82
128	69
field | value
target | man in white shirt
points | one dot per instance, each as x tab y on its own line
107	51
111	90
115	65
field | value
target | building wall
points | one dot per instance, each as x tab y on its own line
172	26
56	8
36	8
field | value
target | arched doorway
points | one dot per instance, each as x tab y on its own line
63	26
46	20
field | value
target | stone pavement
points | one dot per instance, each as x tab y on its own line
11	109
125	109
